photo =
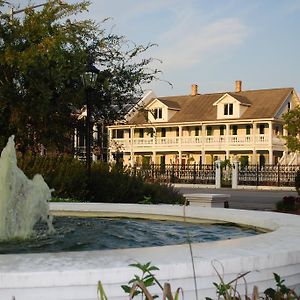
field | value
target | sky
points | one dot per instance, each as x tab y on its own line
210	43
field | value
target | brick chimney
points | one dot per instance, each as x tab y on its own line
194	89
238	86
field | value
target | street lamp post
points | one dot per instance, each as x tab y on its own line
89	79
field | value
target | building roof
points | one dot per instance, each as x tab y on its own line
263	104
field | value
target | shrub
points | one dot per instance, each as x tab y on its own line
288	204
68	177
297	182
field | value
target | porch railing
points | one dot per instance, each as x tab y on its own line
230	141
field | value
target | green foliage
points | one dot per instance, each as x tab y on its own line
297	182
68	177
147	279
43	52
281	292
288	204
292	124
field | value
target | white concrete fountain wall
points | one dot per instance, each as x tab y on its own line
74	275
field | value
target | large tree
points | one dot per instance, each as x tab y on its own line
43	52
292	125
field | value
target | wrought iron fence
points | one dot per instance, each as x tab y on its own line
175	173
268	175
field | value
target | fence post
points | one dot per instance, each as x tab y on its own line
257	176
194	175
278	174
218	174
235	174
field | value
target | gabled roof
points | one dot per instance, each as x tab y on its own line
262	104
170	104
241	99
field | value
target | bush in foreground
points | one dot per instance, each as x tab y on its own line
68	177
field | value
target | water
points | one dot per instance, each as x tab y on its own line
23	202
80	234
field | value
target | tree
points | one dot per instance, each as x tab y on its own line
42	55
292	125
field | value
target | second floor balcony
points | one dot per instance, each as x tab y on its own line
191	142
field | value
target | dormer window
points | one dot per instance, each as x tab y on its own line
157	113
228	109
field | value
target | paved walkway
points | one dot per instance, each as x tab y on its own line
245	199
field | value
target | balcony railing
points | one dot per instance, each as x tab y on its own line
227	141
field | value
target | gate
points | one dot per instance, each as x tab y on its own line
226	174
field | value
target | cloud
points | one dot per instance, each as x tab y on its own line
189	44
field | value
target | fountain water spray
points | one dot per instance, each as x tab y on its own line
23	202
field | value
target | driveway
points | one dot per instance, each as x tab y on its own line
245	199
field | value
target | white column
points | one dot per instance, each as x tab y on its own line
154	157
203	135
227	134
254	160
235	174
271	157
270	143
203	157
75	138
131	146
179	156
218	174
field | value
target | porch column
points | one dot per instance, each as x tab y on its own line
270	143
154	157
254	161
227	140
227	153
203	157
75	138
271	157
180	136
179	156
131	146
203	135
253	145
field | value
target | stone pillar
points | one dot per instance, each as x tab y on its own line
218	174
254	160
271	157
235	174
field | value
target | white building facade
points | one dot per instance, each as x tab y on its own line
201	128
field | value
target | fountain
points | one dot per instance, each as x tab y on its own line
23	201
74	275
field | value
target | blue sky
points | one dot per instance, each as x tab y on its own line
211	42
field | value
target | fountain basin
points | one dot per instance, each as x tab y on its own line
74	275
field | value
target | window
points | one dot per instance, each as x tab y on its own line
157	113
234	130
141	133
208	130
289	106
248	129
177	131
222	129
120	134
262	129
163	132
197	131
228	109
